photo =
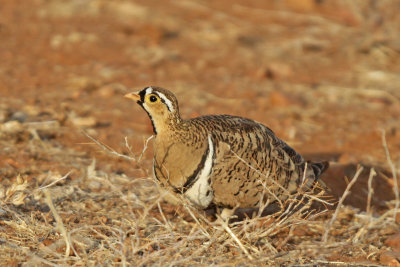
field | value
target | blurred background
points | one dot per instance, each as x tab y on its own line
324	75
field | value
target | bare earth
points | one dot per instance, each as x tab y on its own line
324	75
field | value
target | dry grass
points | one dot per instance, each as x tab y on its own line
111	219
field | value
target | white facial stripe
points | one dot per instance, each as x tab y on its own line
198	192
149	90
166	101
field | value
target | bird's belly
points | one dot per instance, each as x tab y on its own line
201	192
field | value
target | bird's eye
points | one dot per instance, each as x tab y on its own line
153	98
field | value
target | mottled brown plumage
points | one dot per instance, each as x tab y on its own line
222	160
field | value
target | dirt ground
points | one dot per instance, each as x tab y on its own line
324	75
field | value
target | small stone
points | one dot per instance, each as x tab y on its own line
11	127
275	71
84	121
390	258
394	242
19	116
125	9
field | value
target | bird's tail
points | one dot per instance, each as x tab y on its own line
319	168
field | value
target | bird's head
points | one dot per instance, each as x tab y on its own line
160	104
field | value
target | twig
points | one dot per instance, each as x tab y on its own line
393	169
372	173
290	235
108	149
346	192
145	147
59	221
320	200
163	217
237	240
203	230
54	182
7	242
304	175
129	147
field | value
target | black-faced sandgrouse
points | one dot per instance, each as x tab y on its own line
222	160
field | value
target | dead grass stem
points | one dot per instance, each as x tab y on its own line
339	206
60	224
394	173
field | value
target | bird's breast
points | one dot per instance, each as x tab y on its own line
176	164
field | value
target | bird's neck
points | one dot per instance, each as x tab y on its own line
166	126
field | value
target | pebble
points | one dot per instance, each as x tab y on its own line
390	258
11	127
84	121
394	242
19	116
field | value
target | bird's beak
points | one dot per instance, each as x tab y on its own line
134	96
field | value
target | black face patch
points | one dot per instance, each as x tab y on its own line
142	94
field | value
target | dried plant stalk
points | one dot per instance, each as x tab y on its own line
394	173
346	192
60	224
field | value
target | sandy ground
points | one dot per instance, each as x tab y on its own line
324	75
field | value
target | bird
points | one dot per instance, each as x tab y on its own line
222	161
